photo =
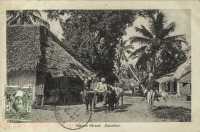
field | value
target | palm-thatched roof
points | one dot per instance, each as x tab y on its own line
23	48
180	72
165	78
183	69
186	78
35	47
59	60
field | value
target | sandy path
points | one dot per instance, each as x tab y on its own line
132	111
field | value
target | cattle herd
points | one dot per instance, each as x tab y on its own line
93	97
113	96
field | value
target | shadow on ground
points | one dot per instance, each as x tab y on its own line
117	109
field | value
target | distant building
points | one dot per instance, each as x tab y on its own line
179	81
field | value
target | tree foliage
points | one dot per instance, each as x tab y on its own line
160	52
24	17
92	36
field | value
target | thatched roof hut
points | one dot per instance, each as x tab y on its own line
25	51
34	53
183	69
175	81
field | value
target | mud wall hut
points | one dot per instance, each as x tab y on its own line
183	78
35	57
179	81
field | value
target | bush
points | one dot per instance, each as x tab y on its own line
174	113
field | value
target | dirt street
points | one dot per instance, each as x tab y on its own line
133	110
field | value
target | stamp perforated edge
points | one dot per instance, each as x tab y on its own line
4	102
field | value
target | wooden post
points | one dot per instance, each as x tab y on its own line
122	100
36	100
178	88
42	103
160	87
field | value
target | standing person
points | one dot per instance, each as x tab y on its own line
87	83
150	84
102	89
87	94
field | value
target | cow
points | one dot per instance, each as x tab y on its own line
113	96
119	94
111	99
87	97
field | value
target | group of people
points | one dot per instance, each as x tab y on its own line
101	87
102	91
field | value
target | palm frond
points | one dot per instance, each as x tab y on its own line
138	51
152	24
128	47
125	41
170	28
140	40
123	57
13	20
160	20
144	32
157	23
28	20
175	39
141	63
40	20
36	12
11	13
128	51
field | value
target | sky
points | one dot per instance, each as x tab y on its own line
55	25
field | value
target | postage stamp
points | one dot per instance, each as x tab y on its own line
18	102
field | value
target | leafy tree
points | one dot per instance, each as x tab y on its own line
158	47
122	49
92	36
23	17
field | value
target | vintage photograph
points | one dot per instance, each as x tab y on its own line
102	65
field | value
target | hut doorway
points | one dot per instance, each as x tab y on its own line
62	90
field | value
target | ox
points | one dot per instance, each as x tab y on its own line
87	97
113	96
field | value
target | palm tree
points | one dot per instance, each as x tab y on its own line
122	49
157	45
23	17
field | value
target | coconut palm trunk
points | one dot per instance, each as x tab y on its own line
135	76
122	49
138	81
